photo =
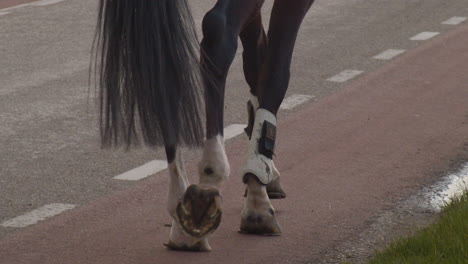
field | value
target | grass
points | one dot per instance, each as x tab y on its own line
444	242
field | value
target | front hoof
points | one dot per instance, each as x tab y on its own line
199	246
275	190
258	224
199	213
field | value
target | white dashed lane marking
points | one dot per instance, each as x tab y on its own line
143	171
233	130
344	76
156	166
424	35
389	54
13	7
37	215
294	100
2	13
454	20
46	2
39	3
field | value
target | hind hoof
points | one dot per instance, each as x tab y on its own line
275	190
200	246
199	213
258	224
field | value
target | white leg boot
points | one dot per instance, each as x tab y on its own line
274	188
258	215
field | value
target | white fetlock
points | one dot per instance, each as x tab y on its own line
258	164
214	166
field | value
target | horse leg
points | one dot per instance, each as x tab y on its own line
258	215
178	184
200	209
254	41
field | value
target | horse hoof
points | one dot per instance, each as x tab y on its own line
199	212
258	224
275	190
199	246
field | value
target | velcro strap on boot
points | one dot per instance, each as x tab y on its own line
251	113
266	143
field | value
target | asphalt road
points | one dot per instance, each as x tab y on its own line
48	137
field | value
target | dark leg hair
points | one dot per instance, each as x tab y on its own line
170	153
254	41
221	28
286	19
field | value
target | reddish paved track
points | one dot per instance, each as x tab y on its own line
343	160
10	3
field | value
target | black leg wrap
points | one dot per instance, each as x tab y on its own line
266	143
251	113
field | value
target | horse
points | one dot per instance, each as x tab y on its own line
153	77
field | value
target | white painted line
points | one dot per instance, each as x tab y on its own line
14	7
424	35
46	2
344	76
295	100
156	166
143	171
389	54
454	20
233	130
2	13
37	215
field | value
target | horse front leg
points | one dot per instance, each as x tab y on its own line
274	189
254	41
258	215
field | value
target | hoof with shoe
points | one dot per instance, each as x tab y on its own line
199	212
275	190
180	241
260	224
199	246
258	216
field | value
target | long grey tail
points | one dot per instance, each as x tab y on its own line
149	75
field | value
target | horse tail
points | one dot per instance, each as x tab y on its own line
148	73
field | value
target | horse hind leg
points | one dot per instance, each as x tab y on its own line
179	190
199	211
254	41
